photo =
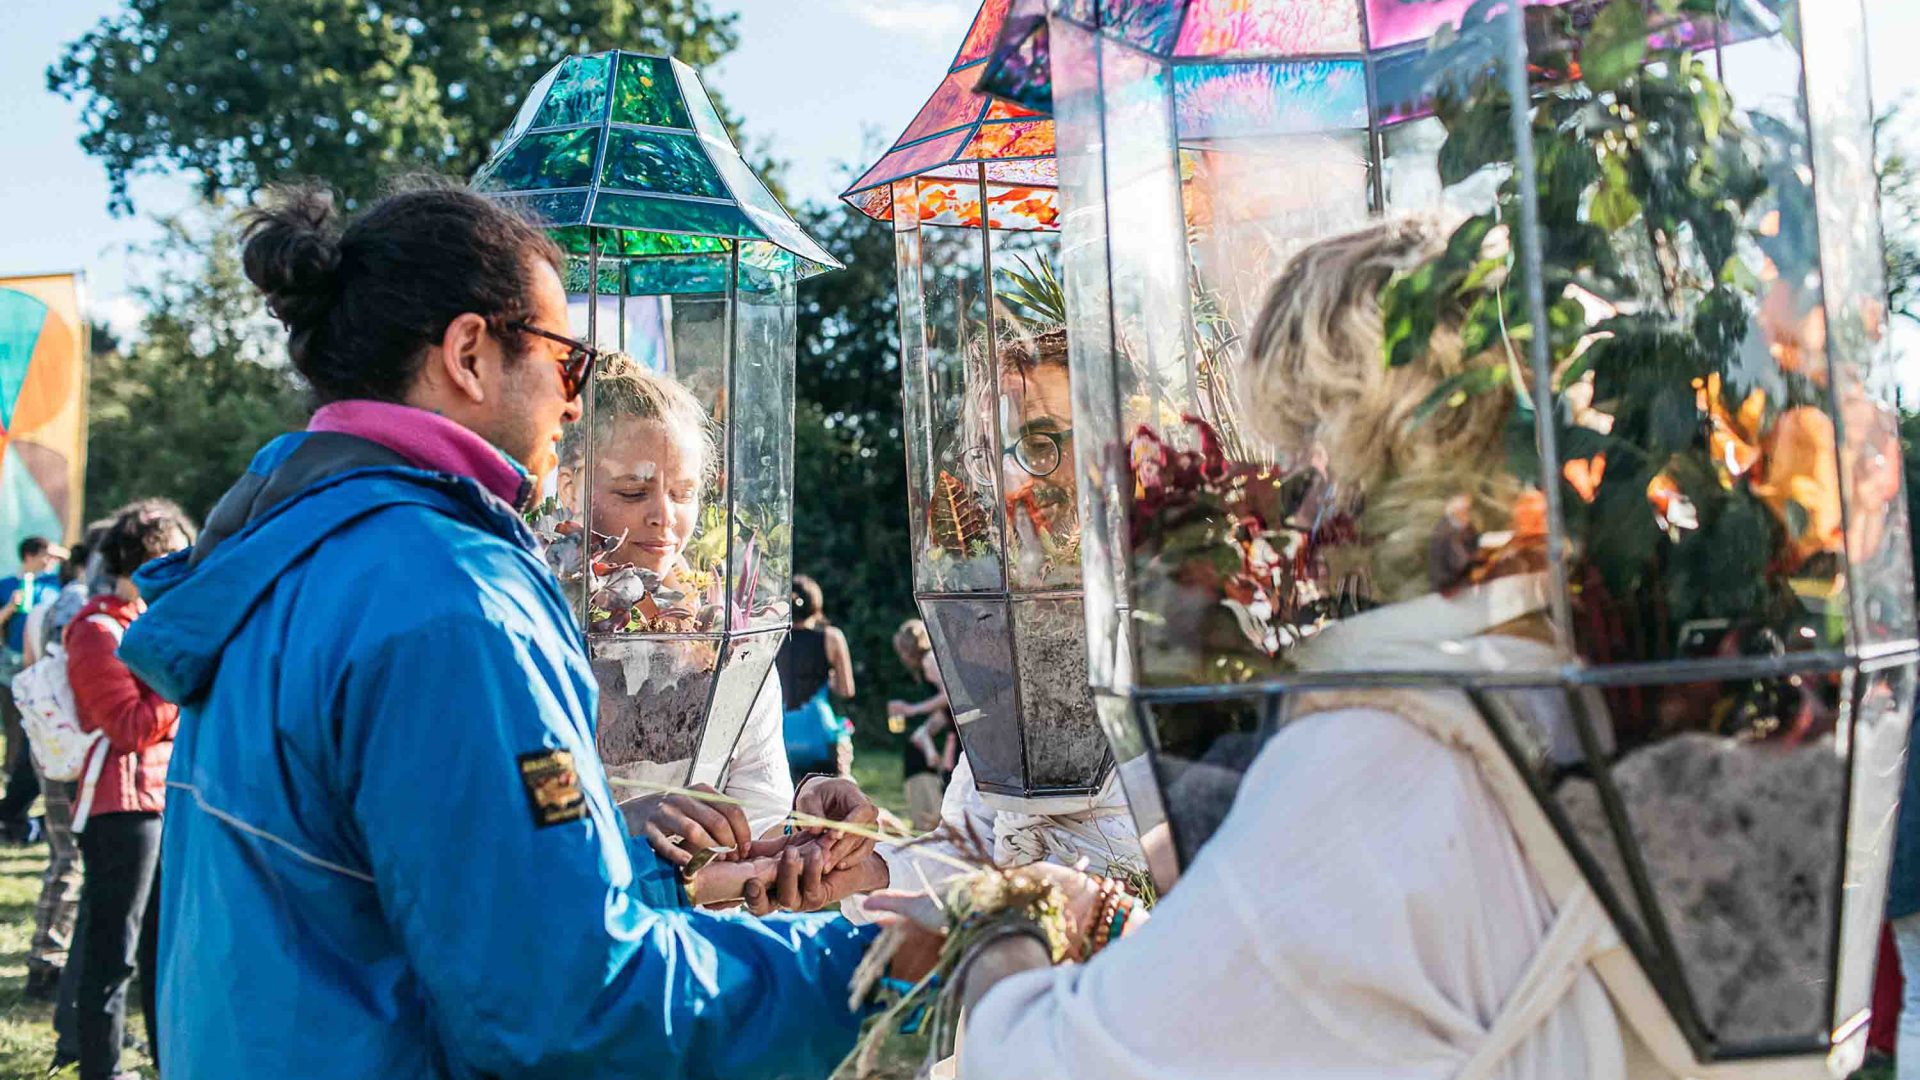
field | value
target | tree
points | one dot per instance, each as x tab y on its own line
1900	212
179	413
850	490
245	93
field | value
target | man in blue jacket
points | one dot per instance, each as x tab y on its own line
390	850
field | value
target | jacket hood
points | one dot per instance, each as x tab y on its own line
300	490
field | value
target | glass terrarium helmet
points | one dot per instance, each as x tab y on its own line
971	192
669	518
1572	419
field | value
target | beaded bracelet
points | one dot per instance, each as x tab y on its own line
1110	918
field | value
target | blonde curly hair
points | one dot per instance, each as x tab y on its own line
1316	373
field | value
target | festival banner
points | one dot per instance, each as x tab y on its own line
43	409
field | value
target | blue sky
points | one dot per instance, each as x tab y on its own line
821	81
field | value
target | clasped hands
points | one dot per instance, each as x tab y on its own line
795	867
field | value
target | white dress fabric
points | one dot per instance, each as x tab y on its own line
1365	910
758	774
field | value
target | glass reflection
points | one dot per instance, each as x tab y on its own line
654	463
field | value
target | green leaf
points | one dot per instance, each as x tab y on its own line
1456	391
1482	136
1614	206
1615	45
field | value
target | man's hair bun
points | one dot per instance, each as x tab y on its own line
293	255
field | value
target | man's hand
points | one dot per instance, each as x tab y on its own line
900	708
802	882
678	825
836	798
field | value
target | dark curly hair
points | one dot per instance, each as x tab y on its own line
141	532
363	299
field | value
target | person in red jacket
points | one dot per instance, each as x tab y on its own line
120	847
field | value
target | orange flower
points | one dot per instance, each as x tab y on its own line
1530	515
1585	474
1873	455
1801	468
1733	439
1796	330
1671	507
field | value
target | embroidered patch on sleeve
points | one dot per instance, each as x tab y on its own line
553	787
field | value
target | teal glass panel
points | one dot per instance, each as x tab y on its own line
649	161
550	209
677	275
618	244
578	94
549	159
530	106
660	275
645	92
618	211
771	219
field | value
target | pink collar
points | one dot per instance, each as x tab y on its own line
428	441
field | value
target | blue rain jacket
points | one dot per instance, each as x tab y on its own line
359	877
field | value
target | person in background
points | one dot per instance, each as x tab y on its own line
58	904
83	578
813	662
36	583
933	747
120	839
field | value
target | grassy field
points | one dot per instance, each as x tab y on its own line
880	773
26	1027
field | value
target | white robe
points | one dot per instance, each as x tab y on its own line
1365	910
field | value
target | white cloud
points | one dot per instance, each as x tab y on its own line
936	20
121	312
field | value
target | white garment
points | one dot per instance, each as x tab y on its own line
1098	828
1364	911
1367	909
758	775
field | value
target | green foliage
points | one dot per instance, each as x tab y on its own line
1035	296
1899	175
246	94
850	490
180	412
1651	190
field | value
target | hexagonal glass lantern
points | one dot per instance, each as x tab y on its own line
970	190
1575	416
671	528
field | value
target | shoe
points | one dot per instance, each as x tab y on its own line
43	984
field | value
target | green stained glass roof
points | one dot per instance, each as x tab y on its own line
628	150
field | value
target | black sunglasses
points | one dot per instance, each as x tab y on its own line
578	364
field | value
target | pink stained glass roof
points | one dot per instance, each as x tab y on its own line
985	30
1234	28
960	125
911	160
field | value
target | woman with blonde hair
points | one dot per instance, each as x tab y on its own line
655	457
1366	907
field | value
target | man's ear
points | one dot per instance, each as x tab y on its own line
461	355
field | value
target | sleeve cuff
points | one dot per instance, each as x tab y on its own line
656	883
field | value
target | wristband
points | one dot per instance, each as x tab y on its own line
802	785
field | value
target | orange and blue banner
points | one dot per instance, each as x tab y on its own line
43	409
